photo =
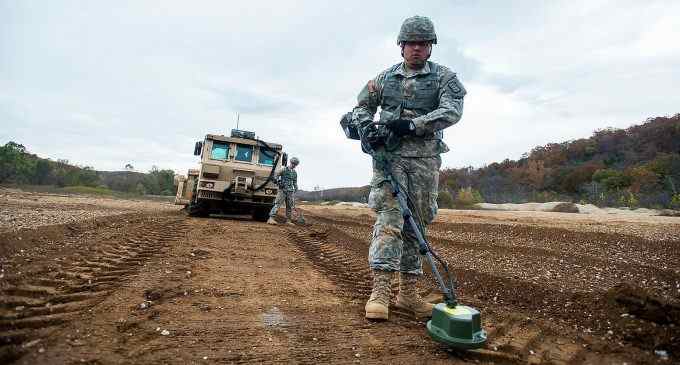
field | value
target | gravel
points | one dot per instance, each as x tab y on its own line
22	210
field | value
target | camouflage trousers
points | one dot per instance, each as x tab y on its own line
284	196
394	246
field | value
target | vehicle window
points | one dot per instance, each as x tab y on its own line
220	151
266	157
244	153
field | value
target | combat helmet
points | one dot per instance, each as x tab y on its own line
417	29
295	161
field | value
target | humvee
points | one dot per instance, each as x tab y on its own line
236	176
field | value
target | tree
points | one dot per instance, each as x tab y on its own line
88	176
159	182
444	199
139	189
43	172
642	179
15	164
612	179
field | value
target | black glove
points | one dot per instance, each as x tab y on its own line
402	127
372	137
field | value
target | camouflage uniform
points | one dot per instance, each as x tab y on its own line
432	98
287	188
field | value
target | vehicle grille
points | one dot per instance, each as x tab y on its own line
206	194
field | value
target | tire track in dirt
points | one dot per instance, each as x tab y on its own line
512	340
32	306
347	270
513	337
577	270
548	242
341	268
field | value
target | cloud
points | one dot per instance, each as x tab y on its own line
249	101
140	82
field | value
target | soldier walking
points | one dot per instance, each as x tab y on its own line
418	99
287	181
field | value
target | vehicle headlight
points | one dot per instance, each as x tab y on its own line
207	184
270	191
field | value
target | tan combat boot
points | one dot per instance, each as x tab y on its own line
271	221
377	306
409	299
290	223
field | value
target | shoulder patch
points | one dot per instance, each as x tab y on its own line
456	88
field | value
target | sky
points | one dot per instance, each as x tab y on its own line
104	84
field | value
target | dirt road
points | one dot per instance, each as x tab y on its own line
145	284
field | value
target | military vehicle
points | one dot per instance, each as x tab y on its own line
236	176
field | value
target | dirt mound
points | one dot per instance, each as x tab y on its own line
565	208
640	303
645	320
561	207
669	213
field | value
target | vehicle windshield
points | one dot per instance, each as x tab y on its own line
220	151
244	153
266	157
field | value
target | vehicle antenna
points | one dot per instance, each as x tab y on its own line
238	117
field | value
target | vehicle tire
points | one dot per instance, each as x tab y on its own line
198	209
261	214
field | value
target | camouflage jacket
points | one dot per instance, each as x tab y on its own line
432	97
287	179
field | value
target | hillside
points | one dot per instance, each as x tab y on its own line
637	166
341	194
634	167
19	166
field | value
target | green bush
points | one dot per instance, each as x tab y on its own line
544	196
632	201
675	202
467	197
612	179
159	182
15	164
445	200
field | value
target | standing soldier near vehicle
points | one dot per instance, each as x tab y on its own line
418	99
287	181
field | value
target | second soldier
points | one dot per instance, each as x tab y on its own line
287	181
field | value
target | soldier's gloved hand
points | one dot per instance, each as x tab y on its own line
402	127
372	135
372	138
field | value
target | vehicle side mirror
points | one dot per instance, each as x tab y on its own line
284	159
198	148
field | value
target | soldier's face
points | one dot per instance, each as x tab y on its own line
416	53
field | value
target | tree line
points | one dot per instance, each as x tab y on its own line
19	166
634	167
359	194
